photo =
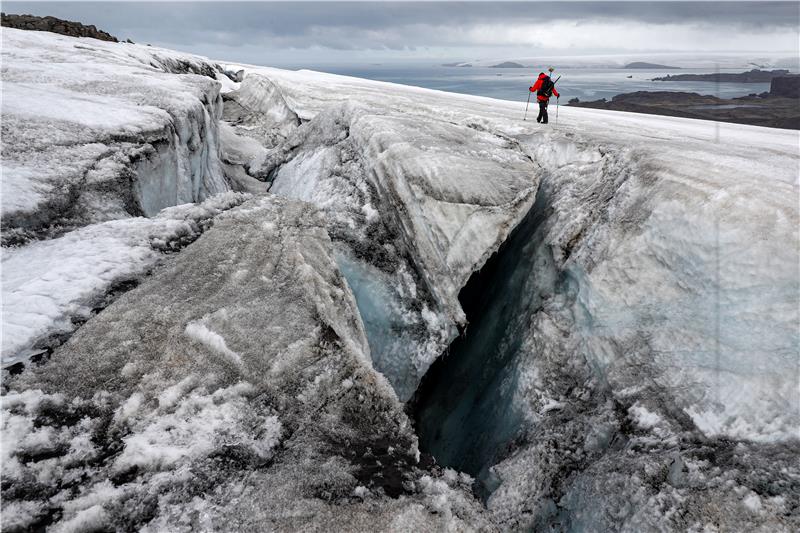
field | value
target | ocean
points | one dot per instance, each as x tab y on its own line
512	83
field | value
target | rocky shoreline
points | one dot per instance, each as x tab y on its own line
777	108
752	76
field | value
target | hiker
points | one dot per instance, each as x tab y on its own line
544	88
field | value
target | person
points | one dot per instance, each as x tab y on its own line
543	88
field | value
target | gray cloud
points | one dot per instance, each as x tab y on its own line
303	31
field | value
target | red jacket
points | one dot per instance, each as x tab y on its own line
538	84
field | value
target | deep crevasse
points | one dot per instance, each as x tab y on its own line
598	348
412	220
649	258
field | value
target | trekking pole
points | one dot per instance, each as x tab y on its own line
554	84
526	106
556	111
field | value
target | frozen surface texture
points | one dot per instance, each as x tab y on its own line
257	108
683	233
655	328
416	204
94	131
50	286
627	360
97	135
231	390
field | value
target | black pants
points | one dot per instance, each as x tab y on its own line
542	112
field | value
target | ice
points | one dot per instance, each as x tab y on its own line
258	109
631	315
199	332
100	131
166	431
414	218
193	428
95	135
676	150
666	272
643	417
47	284
390	327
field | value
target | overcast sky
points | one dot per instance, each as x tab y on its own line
318	33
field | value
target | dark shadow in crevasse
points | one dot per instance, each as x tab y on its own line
463	409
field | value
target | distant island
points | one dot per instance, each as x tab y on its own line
456	64
508	64
642	64
753	76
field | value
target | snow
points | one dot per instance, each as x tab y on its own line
48	283
644	418
192	428
199	332
91	519
753	502
406	195
702	202
198	441
96	135
663	274
104	123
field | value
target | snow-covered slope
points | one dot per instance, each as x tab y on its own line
49	285
714	224
625	290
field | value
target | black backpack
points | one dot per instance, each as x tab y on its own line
546	89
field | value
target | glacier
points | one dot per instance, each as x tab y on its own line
290	299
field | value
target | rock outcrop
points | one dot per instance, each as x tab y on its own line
785	86
54	25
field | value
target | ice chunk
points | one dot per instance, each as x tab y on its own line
257	109
47	283
108	133
414	219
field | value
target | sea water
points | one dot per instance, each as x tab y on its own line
512	83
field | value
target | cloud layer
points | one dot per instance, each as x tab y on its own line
319	32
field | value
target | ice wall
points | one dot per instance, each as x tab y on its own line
600	353
95	136
107	137
184	166
413	219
